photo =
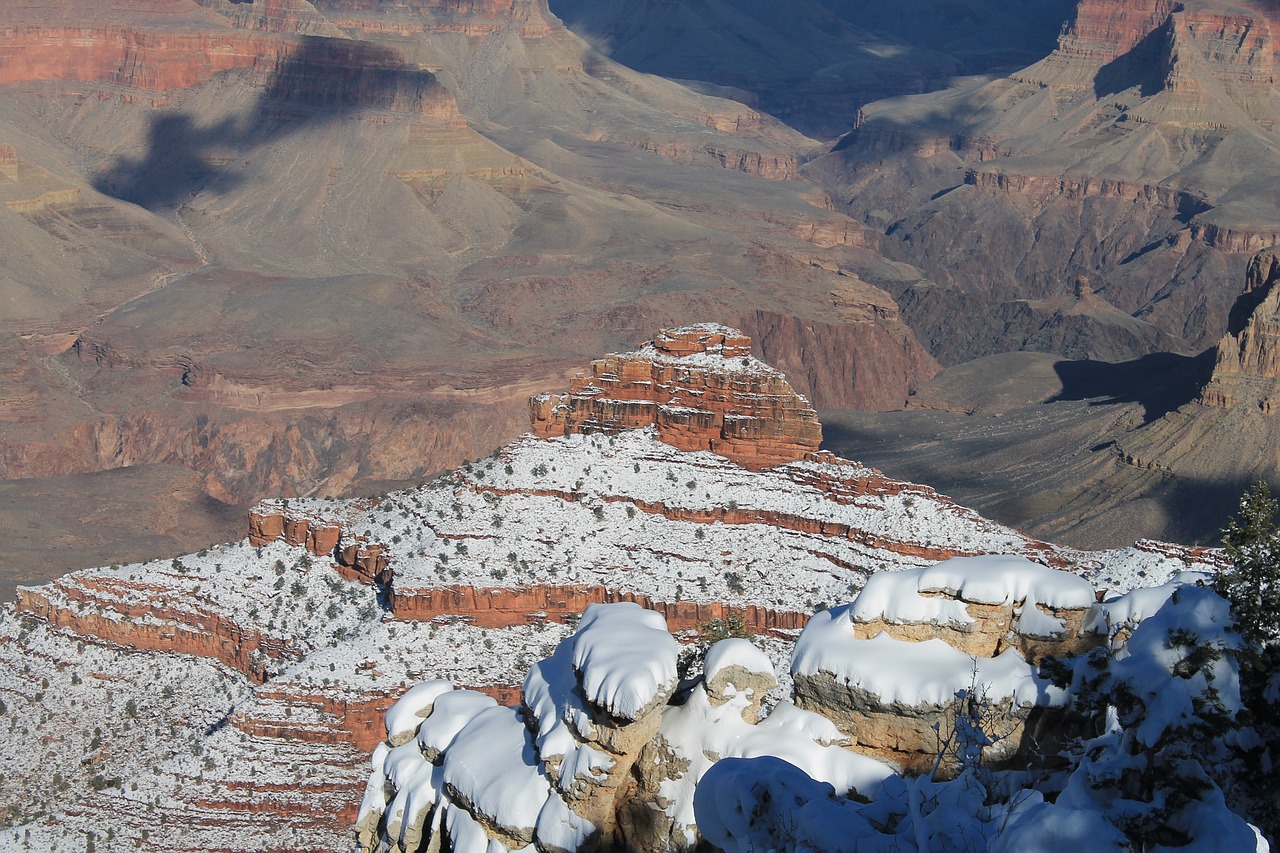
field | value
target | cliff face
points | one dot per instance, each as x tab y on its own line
419	262
1247	366
700	388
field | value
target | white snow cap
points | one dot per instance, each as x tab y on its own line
404	716
1135	606
927	673
625	657
451	713
736	651
493	765
988	579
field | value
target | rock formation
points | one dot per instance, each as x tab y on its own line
701	389
968	629
433	275
601	754
595	756
1247	367
219	679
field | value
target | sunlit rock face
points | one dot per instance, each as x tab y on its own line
700	388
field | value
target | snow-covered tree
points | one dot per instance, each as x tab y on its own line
1252	583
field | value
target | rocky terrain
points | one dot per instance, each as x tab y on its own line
608	747
1089	451
322	249
228	698
1139	155
338	248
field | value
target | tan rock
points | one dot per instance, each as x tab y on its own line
1247	367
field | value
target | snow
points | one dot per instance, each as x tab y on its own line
199	732
1127	610
558	828
589	510
551	694
404	716
914	674
562	720
1152	657
467	836
700	734
452	712
787	718
493	766
1034	622
987	579
625	658
374	800
738	652
416	783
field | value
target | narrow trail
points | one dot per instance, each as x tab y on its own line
161	280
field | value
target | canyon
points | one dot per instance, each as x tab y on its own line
323	249
1088	451
329	249
228	698
1116	158
286	273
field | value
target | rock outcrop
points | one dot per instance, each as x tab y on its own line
306	630
1246	370
1021	184
700	387
916	650
594	756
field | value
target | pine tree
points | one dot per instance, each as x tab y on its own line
1252	584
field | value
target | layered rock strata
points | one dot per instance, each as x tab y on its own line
1025	182
700	387
291	643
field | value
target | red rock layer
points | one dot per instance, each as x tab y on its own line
500	608
152	62
313	72
354	558
358	720
153	625
723	402
1106	29
1188	44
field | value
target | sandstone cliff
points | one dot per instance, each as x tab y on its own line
700	387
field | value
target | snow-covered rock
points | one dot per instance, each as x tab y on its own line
566	769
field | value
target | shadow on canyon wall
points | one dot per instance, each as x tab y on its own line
322	80
1160	382
1141	67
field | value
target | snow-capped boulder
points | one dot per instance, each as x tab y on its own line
595	754
735	667
916	649
981	606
